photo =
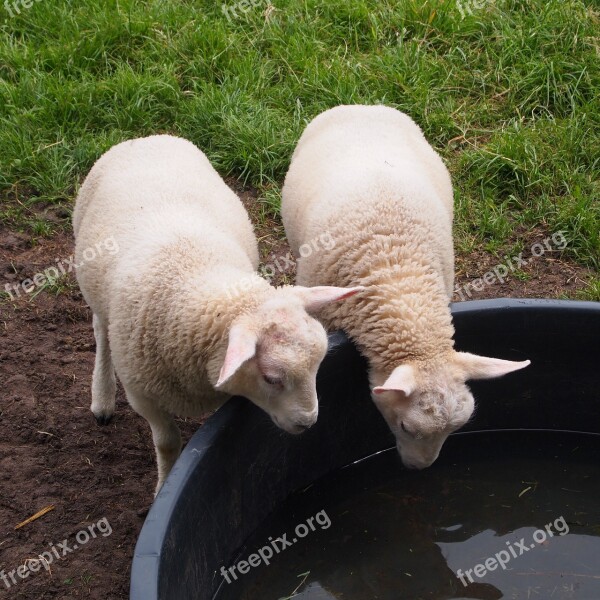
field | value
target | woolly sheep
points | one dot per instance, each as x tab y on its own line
367	176
178	311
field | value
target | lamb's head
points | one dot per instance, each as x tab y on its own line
274	353
424	403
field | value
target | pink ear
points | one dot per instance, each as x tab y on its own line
482	367
401	380
241	347
316	297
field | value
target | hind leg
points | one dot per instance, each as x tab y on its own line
104	384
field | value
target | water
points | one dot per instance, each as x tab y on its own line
403	535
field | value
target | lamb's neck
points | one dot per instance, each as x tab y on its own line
405	317
202	316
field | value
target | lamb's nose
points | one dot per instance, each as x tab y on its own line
305	424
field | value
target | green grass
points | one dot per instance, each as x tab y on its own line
54	285
592	292
270	200
508	95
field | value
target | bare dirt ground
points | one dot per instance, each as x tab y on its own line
52	452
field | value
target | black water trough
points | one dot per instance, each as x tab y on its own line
239	467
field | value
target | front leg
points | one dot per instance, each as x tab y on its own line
165	433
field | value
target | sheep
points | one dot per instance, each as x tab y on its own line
164	315
367	176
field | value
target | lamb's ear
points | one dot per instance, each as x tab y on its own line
241	347
316	297
482	367
401	380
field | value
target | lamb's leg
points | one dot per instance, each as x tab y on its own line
104	385
165	433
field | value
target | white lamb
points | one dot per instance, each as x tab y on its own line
178	310
367	176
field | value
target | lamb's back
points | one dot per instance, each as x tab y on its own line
350	154
149	194
366	176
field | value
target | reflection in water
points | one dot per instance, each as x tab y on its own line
544	565
404	535
314	591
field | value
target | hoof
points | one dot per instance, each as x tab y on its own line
103	419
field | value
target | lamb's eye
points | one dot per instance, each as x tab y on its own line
273	380
403	427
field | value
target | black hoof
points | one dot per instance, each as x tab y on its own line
103	419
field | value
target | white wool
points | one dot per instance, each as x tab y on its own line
367	177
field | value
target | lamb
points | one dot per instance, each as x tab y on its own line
367	176
164	315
